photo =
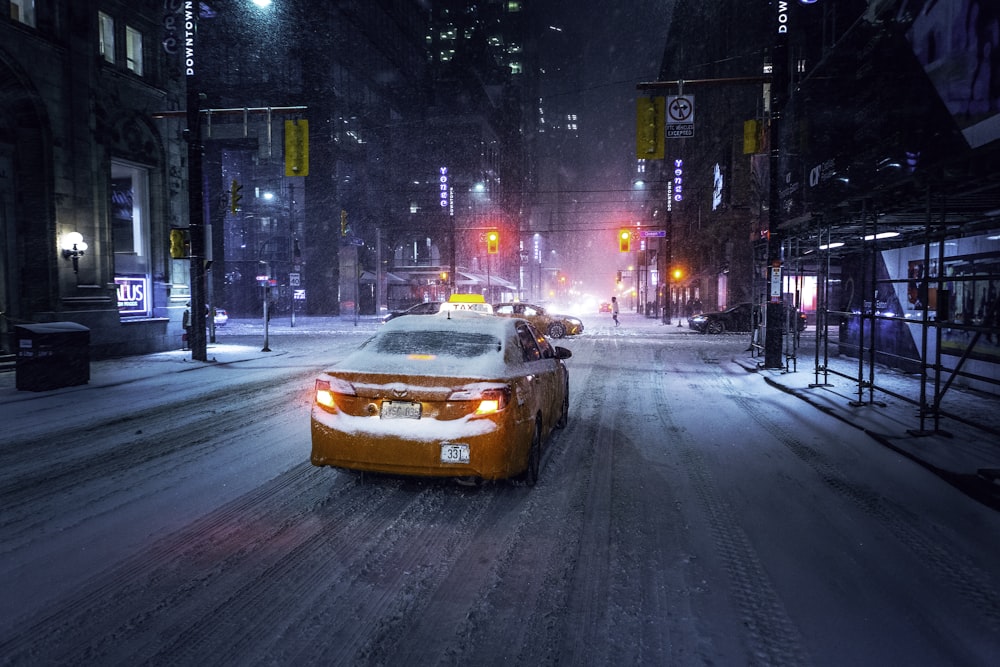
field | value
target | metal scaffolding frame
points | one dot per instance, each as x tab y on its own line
946	217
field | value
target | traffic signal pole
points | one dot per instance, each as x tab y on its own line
779	80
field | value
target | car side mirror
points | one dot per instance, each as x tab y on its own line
563	353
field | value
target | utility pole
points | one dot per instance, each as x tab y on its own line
196	336
773	342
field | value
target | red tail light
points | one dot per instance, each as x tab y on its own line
493	400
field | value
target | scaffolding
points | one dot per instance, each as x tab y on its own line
938	322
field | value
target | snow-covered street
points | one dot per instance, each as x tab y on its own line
689	514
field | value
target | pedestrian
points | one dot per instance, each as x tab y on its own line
614	309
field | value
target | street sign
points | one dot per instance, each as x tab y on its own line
293	279
653	234
299	294
680	117
354	240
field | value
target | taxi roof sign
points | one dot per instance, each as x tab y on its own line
467	302
467	298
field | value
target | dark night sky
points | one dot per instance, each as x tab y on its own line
594	57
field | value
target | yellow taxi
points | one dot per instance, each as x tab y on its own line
454	394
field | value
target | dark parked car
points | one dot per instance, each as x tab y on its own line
740	318
425	308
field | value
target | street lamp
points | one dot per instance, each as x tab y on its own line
73	248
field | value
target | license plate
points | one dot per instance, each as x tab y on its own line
399	410
452	453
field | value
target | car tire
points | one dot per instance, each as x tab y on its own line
557	330
715	327
564	415
530	475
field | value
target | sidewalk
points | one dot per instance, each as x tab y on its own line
239	340
966	455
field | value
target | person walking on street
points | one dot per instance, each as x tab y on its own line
614	309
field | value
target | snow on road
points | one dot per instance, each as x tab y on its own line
688	514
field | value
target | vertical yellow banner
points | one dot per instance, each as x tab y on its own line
297	147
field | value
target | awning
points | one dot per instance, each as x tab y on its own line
388	277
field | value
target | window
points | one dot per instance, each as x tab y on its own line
133	50
129	213
529	346
23	11
128	208
106	29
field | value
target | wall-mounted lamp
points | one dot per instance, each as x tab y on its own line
73	248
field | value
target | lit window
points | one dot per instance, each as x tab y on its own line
23	11
133	50
129	208
515	68
106	26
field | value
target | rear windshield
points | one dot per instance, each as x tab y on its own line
437	343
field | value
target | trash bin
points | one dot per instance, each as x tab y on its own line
52	355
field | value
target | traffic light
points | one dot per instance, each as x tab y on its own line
492	242
343	222
235	196
649	120
180	243
618	279
297	147
624	240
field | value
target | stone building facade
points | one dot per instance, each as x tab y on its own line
90	181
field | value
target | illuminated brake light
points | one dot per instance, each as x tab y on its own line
323	394
329	387
493	400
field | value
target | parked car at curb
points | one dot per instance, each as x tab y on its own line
551	324
740	318
456	394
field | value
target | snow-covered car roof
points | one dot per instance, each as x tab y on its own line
449	343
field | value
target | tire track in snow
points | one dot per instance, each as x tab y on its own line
133	594
771	636
952	568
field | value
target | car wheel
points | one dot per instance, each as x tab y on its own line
564	415
557	330
715	327
530	475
